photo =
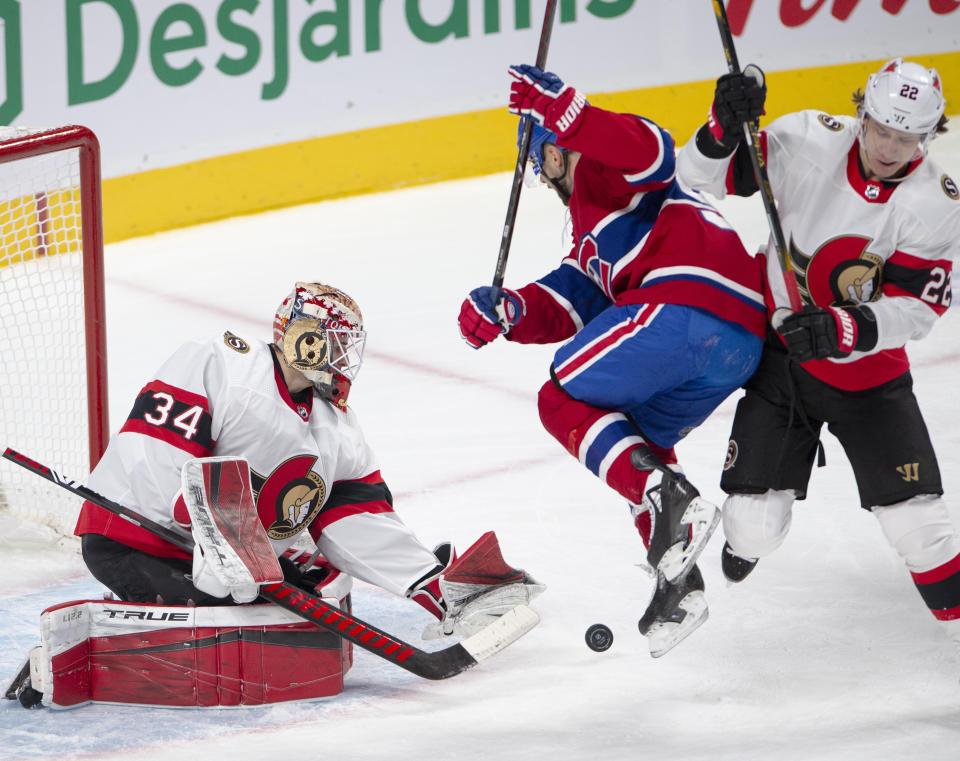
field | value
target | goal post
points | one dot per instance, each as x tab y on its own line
53	378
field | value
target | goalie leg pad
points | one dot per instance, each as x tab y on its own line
155	655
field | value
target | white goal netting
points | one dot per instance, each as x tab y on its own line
43	333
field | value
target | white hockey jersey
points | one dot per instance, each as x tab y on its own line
851	240
311	467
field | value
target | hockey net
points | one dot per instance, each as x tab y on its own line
52	333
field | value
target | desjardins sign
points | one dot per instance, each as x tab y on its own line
242	25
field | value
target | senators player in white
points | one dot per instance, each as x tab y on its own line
282	406
872	226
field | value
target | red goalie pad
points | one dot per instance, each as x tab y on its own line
130	653
222	509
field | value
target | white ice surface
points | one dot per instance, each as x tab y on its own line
825	653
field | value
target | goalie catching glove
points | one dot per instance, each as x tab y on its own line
475	590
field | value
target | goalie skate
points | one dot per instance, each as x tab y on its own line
21	687
683	523
675	612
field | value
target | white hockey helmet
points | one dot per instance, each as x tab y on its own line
319	328
905	96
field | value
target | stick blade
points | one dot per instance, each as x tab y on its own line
502	633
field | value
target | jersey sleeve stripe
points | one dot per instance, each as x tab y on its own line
924	279
659	169
328	517
358	492
193	448
182	395
566	304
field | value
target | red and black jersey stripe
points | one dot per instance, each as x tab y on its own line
175	416
369	494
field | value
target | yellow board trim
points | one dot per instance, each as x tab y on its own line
432	150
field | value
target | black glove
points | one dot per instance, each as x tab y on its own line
738	98
834	332
293	573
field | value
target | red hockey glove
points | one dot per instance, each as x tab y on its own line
833	332
544	97
738	98
487	312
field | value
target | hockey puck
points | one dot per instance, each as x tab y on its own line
599	638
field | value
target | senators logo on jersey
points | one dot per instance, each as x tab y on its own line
289	498
841	271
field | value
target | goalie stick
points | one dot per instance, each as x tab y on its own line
440	664
760	168
524	151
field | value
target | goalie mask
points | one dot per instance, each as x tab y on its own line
906	97
319	329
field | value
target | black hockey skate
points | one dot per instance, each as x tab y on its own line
735	568
674	613
683	522
20	688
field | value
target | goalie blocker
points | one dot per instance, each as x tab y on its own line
173	656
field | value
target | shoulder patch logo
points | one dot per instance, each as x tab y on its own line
236	343
949	187
732	451
829	122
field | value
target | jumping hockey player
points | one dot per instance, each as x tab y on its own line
873	226
665	315
281	406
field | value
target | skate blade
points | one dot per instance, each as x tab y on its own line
703	519
22	673
663	636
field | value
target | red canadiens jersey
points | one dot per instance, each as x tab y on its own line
310	464
639	236
852	241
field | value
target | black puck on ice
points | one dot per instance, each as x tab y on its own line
599	637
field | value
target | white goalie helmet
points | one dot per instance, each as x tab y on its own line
319	329
907	97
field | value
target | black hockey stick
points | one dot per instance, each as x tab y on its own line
441	664
760	168
522	154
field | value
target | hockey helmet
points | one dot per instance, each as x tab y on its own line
906	97
538	138
319	329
